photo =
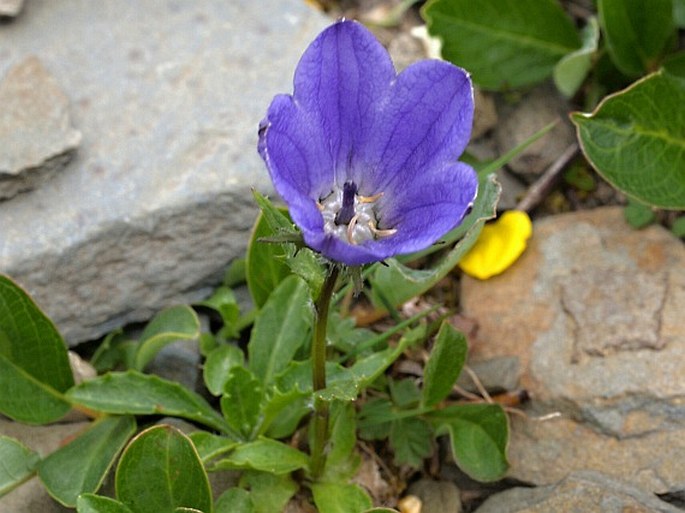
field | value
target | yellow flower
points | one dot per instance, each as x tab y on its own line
499	245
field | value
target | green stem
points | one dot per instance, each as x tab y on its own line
320	422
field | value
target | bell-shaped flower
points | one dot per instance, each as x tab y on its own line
366	159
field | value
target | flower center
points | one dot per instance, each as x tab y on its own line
351	217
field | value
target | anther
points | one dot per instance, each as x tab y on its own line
381	233
350	229
370	199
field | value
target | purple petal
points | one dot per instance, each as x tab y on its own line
426	124
339	81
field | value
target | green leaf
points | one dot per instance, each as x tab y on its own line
265	262
133	393
234	500
375	419
678	227
224	302
280	329
571	70
635	139
209	445
404	392
340	498
116	348
675	64
307	265
637	32
283	411
342	459
34	366
398	283
241	401
160	471
679	13
503	43
638	215
411	438
218	364
18	464
478	436
444	365
81	465
269	493
168	326
265	455
90	503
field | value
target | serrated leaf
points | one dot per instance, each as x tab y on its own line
375	419
503	43
18	463
81	465
133	393
571	70
398	283
340	498
444	365
635	139
269	493
241	401
411	439
34	366
160	471
280	329
234	500
265	264
478	436
404	392
210	446
218	365
265	455
637	32
168	326
90	503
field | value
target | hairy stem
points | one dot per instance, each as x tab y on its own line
320	421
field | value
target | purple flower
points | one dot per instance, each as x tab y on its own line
366	159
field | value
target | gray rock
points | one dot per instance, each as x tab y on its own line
495	374
587	492
36	136
537	109
10	7
437	496
168	95
594	311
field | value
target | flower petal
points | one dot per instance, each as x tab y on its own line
426	123
339	81
429	205
499	245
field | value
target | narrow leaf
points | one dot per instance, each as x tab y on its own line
635	139
265	455
34	367
161	471
444	365
133	393
503	43
81	465
18	463
280	329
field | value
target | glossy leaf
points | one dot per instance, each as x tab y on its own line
340	498
241	401
234	500
411	439
18	463
133	393
168	326
34	366
572	69
444	365
265	262
635	139
218	364
265	455
478	436
398	283
81	465
90	503
637	32
160	471
280	329
269	493
502	43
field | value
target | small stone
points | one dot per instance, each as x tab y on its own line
35	129
585	492
499	374
10	7
437	496
537	109
485	115
404	50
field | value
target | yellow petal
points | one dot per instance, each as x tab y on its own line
499	245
